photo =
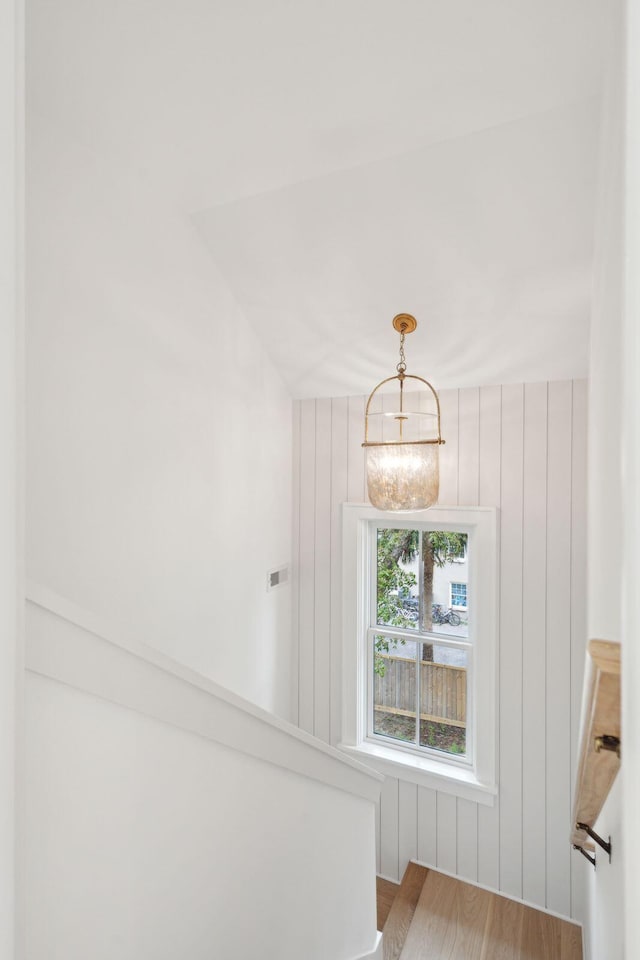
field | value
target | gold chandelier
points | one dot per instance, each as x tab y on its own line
403	474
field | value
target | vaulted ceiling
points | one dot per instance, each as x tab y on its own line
346	160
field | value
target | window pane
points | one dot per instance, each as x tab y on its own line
443	698
394	688
397	578
459	595
445	562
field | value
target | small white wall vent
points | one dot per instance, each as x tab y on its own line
276	578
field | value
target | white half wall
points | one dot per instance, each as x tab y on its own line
521	448
166	818
158	433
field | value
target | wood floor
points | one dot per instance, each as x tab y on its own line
433	917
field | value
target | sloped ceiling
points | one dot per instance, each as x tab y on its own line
350	159
486	239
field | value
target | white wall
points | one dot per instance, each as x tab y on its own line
522	449
604	929
631	485
166	818
10	261
158	473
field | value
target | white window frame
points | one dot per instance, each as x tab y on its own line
460	583
474	780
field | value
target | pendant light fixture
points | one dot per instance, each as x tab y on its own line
403	471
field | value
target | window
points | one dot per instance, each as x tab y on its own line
419	654
458	595
419	647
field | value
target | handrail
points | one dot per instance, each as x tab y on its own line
599	758
73	646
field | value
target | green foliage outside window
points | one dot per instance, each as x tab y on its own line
394	582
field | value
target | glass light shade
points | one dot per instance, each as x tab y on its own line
403	476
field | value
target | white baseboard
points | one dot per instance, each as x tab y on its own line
393	880
376	954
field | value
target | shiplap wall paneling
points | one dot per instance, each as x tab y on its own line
427	825
407	824
306	576
446	832
578	607
469	447
534	613
295	560
378	842
389	828
558	700
489	444
449	450
510	688
355	456
467	839
468	482
522	449
322	573
387	402
339	494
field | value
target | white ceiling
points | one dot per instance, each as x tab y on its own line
349	159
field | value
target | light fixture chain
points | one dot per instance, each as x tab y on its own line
402	366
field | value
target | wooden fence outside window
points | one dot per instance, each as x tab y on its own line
443	690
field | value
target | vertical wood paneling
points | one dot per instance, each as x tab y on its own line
378	842
490	459
468	495
489	483
295	560
389	404
534	573
355	455
322	574
467	839
558	700
446	830
511	641
412	427
407	824
339	494
427	826
389	829
449	450
498	453
469	447
578	607
307	564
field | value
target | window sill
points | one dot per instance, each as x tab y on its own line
447	778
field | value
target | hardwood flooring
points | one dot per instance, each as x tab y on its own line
402	910
435	917
386	892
